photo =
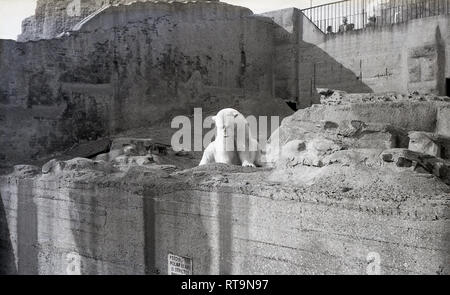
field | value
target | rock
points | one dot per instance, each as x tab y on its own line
443	120
346	189
354	157
102	157
325	91
114	153
81	164
347	131
430	143
311	153
121	160
338	97
141	160
89	149
331	97
330	125
293	147
423	142
26	170
182	154
420	169
53	166
141	146
423	163
322	146
130	150
168	168
358	134
403	162
442	170
387	157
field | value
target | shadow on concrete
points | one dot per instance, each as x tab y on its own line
442	85
150	235
180	231
87	225
7	259
320	70
233	234
225	204
27	229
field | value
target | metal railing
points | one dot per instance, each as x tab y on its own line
359	14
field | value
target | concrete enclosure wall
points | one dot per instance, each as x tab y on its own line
131	66
128	223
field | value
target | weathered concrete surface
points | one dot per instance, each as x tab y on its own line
154	62
229	220
55	17
430	143
404	57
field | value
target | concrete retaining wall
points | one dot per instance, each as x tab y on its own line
128	223
407	57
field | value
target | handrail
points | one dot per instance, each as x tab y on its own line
360	14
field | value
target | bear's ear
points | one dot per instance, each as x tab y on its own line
213	118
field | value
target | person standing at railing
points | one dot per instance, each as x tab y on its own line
345	25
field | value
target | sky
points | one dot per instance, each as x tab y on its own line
12	12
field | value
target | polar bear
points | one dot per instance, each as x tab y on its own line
234	143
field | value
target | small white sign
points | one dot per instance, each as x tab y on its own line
178	265
73	264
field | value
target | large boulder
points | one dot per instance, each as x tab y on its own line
430	143
419	162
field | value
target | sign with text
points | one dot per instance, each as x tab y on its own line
178	265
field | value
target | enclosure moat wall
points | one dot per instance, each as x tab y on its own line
226	220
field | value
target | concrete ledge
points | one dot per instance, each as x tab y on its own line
228	220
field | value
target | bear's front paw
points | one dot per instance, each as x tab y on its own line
248	164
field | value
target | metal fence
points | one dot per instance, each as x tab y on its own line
359	14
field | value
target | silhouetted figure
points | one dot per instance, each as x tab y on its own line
346	26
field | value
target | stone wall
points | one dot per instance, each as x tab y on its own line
294	34
227	220
55	17
155	61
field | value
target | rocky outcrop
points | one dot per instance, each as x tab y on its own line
53	18
430	143
403	130
419	162
366	121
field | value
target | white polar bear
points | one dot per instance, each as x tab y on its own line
234	143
